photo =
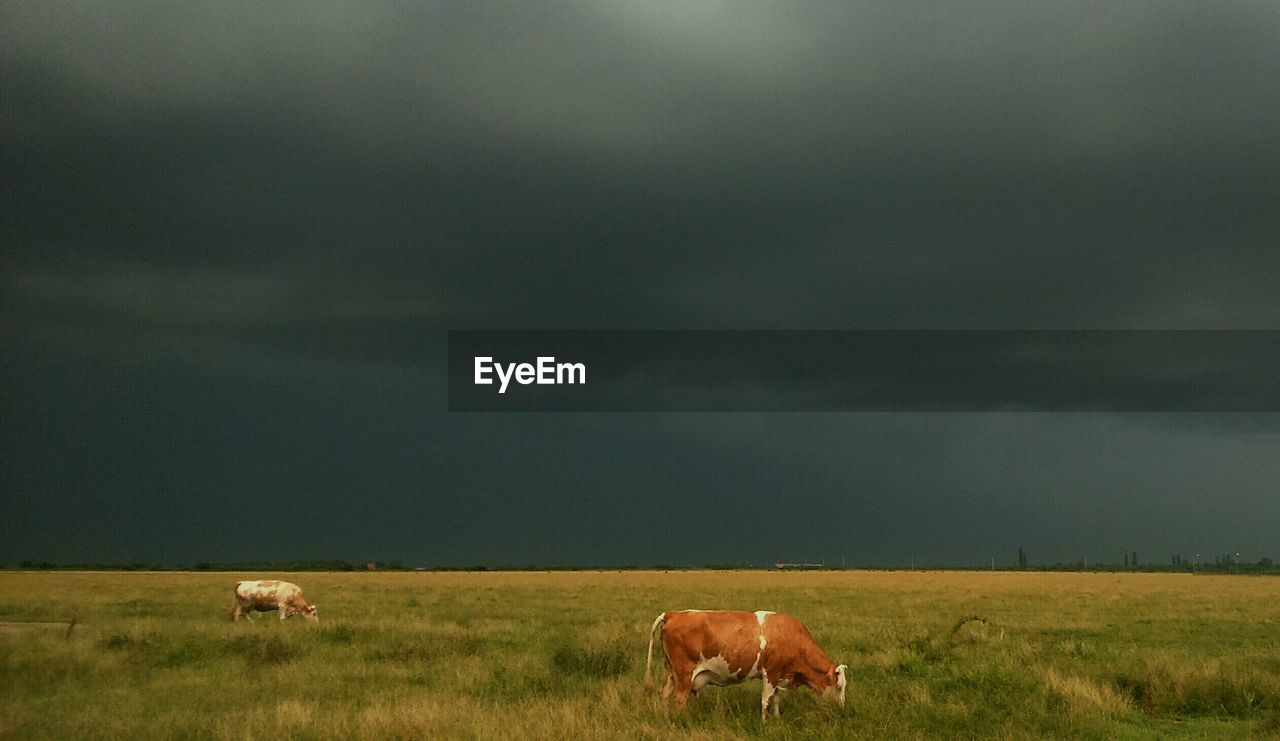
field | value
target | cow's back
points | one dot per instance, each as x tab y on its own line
787	635
265	593
696	636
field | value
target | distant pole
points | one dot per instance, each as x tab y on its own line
993	563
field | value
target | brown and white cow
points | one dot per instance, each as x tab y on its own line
722	648
265	596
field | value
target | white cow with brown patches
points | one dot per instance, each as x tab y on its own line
269	595
723	648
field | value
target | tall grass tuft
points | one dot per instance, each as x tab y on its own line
1085	697
597	661
260	649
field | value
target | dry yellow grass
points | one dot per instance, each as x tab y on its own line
1085	697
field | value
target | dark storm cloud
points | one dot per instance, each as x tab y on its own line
234	237
661	165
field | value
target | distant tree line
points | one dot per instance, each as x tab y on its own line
221	566
1221	564
267	566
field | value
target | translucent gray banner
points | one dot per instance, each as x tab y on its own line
777	371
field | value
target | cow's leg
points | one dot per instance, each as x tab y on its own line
768	696
284	612
684	683
776	703
669	685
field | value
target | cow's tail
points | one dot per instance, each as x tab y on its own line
235	602
654	632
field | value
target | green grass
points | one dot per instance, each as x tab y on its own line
554	655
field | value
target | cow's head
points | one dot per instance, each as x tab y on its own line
309	612
835	684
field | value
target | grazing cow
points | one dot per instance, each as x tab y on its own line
723	648
265	596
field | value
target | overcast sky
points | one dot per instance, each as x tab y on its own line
234	237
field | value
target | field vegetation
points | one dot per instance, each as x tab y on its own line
556	655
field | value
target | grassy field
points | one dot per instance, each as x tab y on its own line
556	655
